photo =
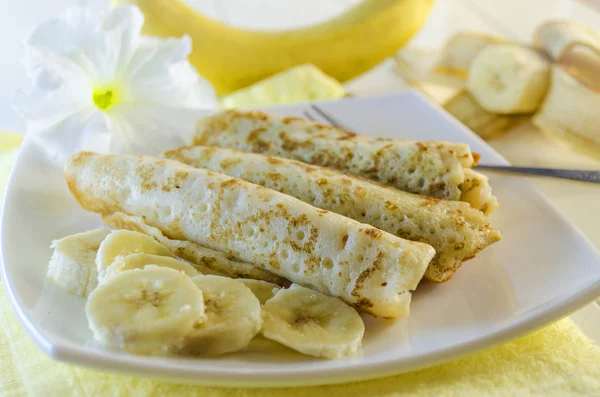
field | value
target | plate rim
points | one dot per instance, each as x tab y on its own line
66	351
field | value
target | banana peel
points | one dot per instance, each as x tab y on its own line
233	58
304	83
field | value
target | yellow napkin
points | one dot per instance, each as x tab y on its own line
555	361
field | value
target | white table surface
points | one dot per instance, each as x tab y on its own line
514	19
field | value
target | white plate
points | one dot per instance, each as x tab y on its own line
543	269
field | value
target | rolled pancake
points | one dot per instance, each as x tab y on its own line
368	268
430	168
205	260
454	229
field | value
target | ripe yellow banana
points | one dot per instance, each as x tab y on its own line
343	47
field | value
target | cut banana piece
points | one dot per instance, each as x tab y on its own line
233	317
555	36
139	261
72	264
312	323
125	242
509	79
485	124
146	311
263	290
460	51
571	113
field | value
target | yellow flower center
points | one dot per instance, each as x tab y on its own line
104	98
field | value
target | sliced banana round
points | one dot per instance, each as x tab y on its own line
146	311
263	290
312	323
72	264
139	261
509	79
233	317
125	242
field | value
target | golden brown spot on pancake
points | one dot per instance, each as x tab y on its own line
344	240
360	192
363	303
274	176
258	145
428	201
228	163
146	173
321	212
383	284
322	181
373	232
273	160
390	206
459	245
288	120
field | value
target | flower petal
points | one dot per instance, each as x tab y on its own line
151	129
87	129
56	89
99	43
159	73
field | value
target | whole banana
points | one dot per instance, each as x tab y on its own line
343	47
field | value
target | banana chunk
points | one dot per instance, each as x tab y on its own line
459	52
263	290
555	36
312	323
72	264
139	261
233	317
485	124
124	242
570	112
146	311
509	79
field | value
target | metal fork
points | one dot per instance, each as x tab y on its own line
591	176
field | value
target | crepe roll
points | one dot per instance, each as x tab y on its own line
205	260
370	269
430	168
454	229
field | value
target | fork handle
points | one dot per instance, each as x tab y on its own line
575	175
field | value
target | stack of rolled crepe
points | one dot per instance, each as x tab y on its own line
350	225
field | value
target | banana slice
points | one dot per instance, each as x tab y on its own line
509	79
570	113
485	124
125	242
555	36
139	261
459	52
72	264
312	323
146	311
233	317
263	290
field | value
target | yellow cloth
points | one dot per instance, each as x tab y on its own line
555	361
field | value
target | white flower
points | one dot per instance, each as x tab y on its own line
97	84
